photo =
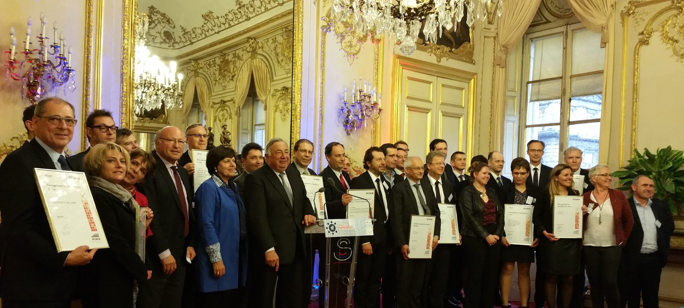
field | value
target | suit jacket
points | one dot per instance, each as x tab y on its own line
333	195
448	190
272	220
662	213
544	176
294	168
168	225
76	161
587	180
240	182
364	181
185	159
622	214
404	206
473	212
501	192
32	269
532	191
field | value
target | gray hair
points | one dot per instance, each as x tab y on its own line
635	181
409	161
272	142
41	105
595	170
193	126
432	156
571	149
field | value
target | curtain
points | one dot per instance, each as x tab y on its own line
595	15
262	80
514	21
242	83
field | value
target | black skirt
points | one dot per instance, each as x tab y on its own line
561	257
517	253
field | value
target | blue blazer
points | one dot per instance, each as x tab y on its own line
218	219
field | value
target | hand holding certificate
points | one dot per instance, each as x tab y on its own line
518	224
313	185
199	158
449	229
420	238
567	216
362	204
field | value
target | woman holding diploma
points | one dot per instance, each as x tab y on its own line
523	255
483	222
110	277
561	256
607	225
222	262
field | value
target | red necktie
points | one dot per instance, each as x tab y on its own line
181	196
403	175
342	181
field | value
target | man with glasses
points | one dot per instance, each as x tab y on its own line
402	154
100	128
197	138
170	196
34	274
302	157
539	173
126	139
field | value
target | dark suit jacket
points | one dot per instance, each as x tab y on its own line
590	186
240	182
109	277
76	161
447	188
544	176
185	159
273	221
532	191
662	213
333	196
473	211
364	181
404	206
31	267
168	225
294	168
501	192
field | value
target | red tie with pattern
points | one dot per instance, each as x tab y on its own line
181	196
342	181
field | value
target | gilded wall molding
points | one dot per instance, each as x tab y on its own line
351	43
558	8
297	71
11	145
163	33
87	68
224	110
281	102
321	95
127	61
281	48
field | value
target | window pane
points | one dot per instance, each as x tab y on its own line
550	135
586	138
546	57
260	113
587	54
544	90
586	107
586	85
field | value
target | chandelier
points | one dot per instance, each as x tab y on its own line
36	72
364	108
156	85
403	19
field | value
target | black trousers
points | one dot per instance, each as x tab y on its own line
578	285
539	280
481	262
602	268
457	260
437	279
642	281
220	299
369	275
411	277
190	287
35	304
389	280
285	286
163	291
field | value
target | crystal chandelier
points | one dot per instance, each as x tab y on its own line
156	85
36	72
403	19
364	108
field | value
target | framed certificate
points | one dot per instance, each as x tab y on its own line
420	237
313	184
70	209
199	158
448	232
518	224
567	216
360	208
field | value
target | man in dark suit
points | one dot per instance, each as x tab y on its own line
28	123
497	181
126	139
170	196
647	249
540	174
196	138
302	157
457	173
412	197
34	274
336	200
389	275
277	211
402	154
439	145
371	261
100	128
252	158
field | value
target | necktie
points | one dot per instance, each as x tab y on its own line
422	200
181	196
535	177
342	181
286	185
461	178
378	186
305	173
403	175
437	193
498	181
62	162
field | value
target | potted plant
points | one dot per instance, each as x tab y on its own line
665	168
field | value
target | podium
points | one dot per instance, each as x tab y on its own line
341	254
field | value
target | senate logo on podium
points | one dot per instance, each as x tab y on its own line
332	227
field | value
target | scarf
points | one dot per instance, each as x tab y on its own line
125	196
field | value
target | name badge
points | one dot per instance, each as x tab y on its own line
386	186
586	185
530	200
451	197
658	224
590	208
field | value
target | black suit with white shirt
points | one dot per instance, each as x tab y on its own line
543	173
501	191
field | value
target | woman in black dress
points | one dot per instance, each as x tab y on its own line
562	256
522	194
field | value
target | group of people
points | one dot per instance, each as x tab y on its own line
239	241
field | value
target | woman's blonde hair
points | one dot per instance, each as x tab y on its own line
93	160
553	185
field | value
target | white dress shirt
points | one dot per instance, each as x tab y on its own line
54	156
434	190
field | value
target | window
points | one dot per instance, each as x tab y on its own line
196	114
252	120
564	92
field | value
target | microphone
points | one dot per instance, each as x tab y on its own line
332	183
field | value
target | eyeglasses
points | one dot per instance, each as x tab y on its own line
305	151
105	128
197	135
607	175
536	151
174	141
519	173
54	120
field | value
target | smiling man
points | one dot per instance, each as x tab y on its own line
100	128
303	155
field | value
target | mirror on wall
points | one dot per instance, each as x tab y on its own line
236	61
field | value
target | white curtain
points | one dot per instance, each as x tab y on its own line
595	15
242	83
262	80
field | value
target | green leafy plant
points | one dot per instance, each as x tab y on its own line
665	168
